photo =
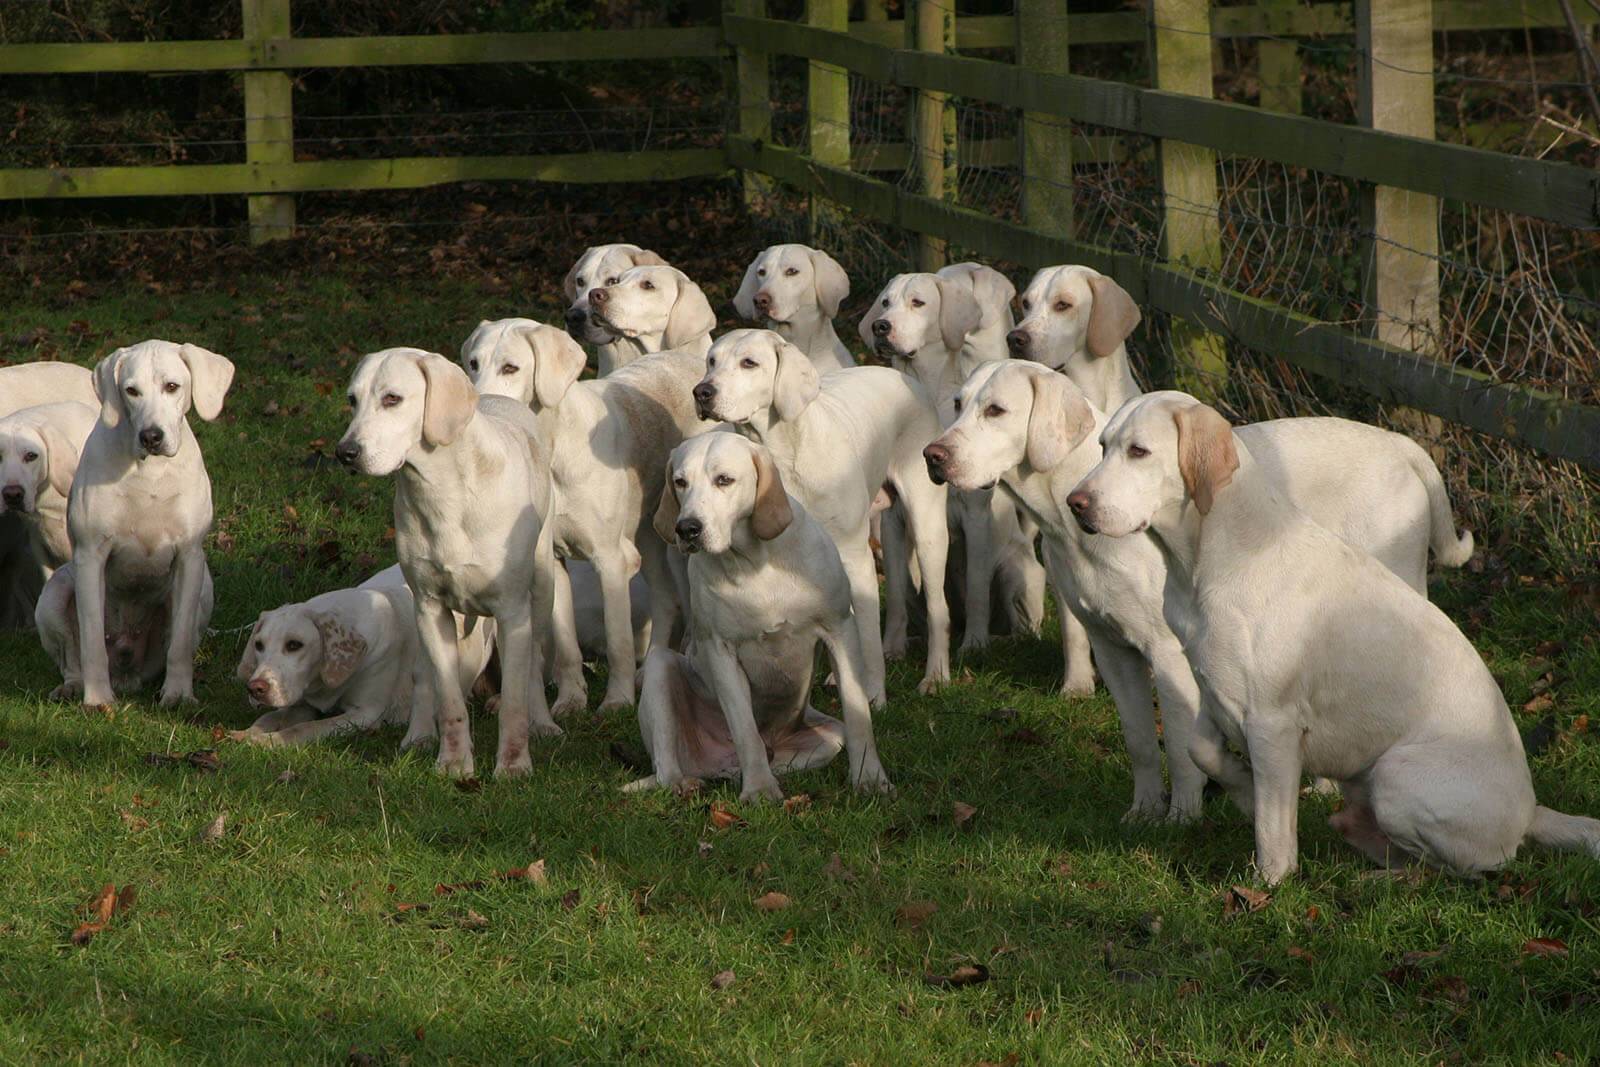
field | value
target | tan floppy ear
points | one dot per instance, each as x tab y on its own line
61	456
210	375
1207	457
744	301
772	513
248	662
959	313
1112	318
107	388
557	362
666	520
796	383
450	402
343	649
643	257
1061	418
832	283
690	316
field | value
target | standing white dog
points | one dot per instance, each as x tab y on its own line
1352	675
602	265
470	507
1077	321
838	440
795	291
140	506
768	587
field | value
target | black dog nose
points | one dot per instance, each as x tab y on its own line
936	456
12	496
689	530
1078	501
763	301
1017	341
881	327
704	393
576	316
598	296
347	452
151	438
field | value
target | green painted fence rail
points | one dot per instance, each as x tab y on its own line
1558	427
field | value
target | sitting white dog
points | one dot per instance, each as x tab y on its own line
766	587
39	448
1312	657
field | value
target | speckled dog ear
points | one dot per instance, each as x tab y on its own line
342	650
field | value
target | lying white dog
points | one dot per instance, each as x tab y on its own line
470	507
606	464
838	440
600	266
354	650
1077	321
653	309
795	291
140	507
1034	430
1352	675
39	448
767	586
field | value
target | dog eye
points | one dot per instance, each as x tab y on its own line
1137	451
261	646
292	646
1026	304
1062	305
352	399
647	285
681	482
612	280
390	400
761	272
131	391
577	283
510	368
886	303
170	387
791	272
722	481
748	364
29	457
994	411
473	365
957	403
917	303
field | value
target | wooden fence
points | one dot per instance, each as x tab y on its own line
1403	170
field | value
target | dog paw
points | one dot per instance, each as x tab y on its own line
418	739
458	765
1145	811
1078	687
932	683
895	646
616	702
520	765
543	729
67	691
973	644
173	695
1183	812
760	791
874	782
642	785
567	702
252	736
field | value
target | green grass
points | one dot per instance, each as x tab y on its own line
285	939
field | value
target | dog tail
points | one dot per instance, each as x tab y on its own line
1574	833
1451	548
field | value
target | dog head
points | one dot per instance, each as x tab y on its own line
650	303
1008	414
130	626
293	648
916	311
599	266
992	290
749	371
1071	315
785	281
151	386
36	452
522	359
1161	450
722	490
401	399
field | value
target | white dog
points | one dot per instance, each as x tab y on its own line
653	309
1034	430
39	448
470	507
600	266
354	650
140	506
1077	321
1313	658
31	384
768	586
933	328
796	290
611	435
838	440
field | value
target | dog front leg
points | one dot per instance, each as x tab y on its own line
978	532
927	514
362	718
1128	678
617	608
89	565
728	681
571	692
866	771
436	632
662	689
1077	679
519	668
56	619
1180	710
857	558
896	582
183	630
667	592
1274	740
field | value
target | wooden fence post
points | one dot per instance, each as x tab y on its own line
933	142
268	119
1046	141
827	105
753	97
1181	47
1280	59
1395	93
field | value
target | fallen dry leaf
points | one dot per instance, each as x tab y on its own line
1033	1016
470	785
1449	987
1544	946
772	901
1024	736
103	903
126	899
1539	704
285	778
797	803
722	818
85	932
1303	954
965	975
961	814
473	921
914	913
533	872
1241	898
1580	724
133	823
722	979
444	889
214	829
569	900
788	937
836	869
1188	987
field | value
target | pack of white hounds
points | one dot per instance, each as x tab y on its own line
703	513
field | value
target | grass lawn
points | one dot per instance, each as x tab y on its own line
311	930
